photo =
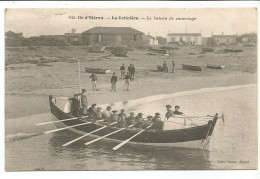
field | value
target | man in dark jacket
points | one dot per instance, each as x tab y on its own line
113	82
132	72
122	69
93	78
127	81
74	105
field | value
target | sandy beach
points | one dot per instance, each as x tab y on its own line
41	71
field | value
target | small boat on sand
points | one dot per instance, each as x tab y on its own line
207	49
232	50
160	51
215	66
97	70
188	136
191	67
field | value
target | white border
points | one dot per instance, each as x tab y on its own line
89	174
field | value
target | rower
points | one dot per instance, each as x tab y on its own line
148	122
92	109
130	119
169	112
177	112
157	122
83	111
121	118
113	117
107	113
139	120
98	114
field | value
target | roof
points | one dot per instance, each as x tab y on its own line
225	36
184	34
149	36
73	34
113	30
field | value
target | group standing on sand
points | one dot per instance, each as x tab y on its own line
78	107
165	67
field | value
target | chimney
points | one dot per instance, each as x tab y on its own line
222	33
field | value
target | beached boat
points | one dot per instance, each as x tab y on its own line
215	66
207	49
97	70
191	67
196	136
160	51
233	50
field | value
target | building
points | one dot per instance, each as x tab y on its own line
112	36
150	40
74	38
225	39
185	38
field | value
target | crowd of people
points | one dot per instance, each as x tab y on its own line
77	106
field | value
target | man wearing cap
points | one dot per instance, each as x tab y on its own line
74	105
113	82
169	112
139	120
165	66
127	81
157	122
177	112
130	119
132	72
122	69
92	110
113	117
107	113
173	66
84	100
93	78
83	111
148	122
98	114
121	118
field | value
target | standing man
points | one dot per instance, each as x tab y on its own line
133	73
129	68
113	82
169	112
122	69
165	66
93	78
74	105
173	66
83	98
127	81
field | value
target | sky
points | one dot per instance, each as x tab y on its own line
230	21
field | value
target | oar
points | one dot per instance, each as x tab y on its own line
127	140
68	143
97	139
61	120
60	129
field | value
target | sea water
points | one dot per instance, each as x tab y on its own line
233	145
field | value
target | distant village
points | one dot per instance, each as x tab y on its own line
126	36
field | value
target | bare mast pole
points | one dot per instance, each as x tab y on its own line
79	83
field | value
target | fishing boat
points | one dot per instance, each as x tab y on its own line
215	66
193	136
97	70
232	50
191	67
207	49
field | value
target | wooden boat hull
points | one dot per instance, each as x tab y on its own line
208	50
97	70
188	137
215	66
191	67
232	50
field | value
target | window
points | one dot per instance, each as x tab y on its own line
99	38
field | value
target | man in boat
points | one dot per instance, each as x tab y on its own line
74	105
130	119
139	120
177	112
113	117
93	78
107	113
165	66
98	114
148	122
121	118
113	82
127	81
67	107
122	69
169	112
173	66
84	100
92	110
157	122
83	111
132	72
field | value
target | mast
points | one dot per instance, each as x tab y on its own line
79	84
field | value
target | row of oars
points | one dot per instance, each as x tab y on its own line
85	135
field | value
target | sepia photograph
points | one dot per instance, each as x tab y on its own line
131	89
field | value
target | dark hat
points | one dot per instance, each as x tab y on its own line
168	106
99	108
83	90
114	111
122	110
132	113
93	105
149	117
157	114
177	107
109	107
140	114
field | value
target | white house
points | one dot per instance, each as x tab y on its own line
185	38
